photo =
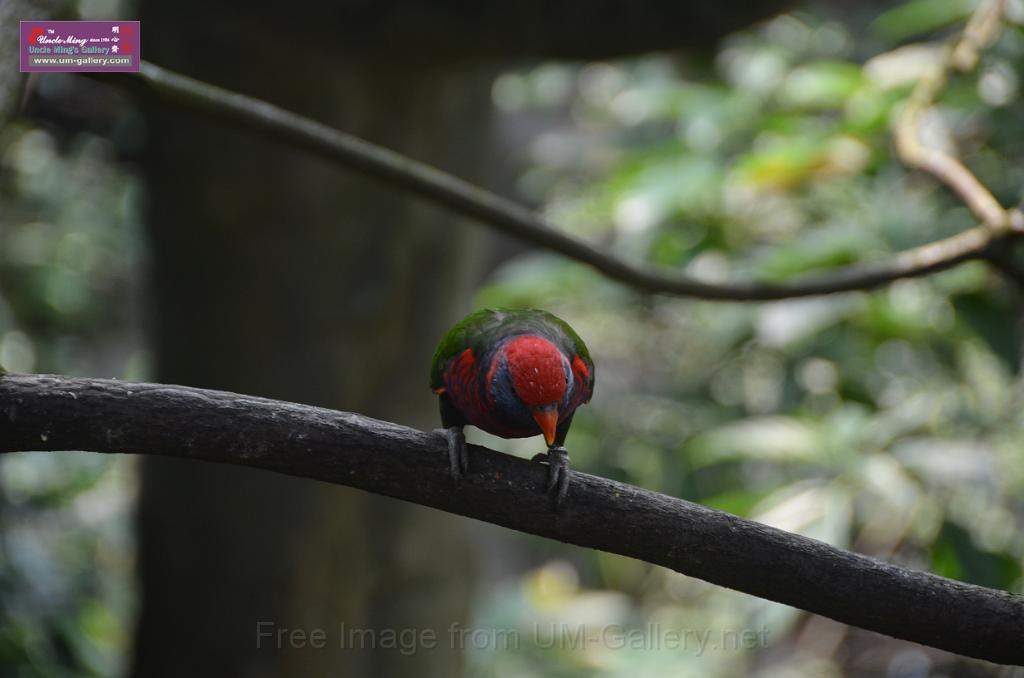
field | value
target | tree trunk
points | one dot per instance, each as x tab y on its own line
275	274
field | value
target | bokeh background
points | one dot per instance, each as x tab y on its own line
143	243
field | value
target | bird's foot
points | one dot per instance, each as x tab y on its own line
557	459
458	454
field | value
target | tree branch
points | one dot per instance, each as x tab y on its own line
512	219
59	413
981	31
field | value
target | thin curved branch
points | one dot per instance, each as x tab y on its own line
58	413
512	219
981	31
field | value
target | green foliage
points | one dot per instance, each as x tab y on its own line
886	422
69	275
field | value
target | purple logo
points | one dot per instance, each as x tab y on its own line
80	46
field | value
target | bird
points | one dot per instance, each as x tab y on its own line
515	373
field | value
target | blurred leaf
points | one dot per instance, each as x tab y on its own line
770	439
739	502
822	249
920	16
812	508
954	555
823	84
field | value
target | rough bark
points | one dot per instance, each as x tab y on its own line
57	413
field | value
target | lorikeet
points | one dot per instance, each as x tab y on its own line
514	373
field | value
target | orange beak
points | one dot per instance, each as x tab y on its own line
547	419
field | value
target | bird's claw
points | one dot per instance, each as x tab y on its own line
458	455
557	459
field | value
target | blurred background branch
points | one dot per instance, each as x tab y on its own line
981	31
512	219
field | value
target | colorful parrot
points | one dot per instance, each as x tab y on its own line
514	373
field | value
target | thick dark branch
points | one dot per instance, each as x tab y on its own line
514	220
58	413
